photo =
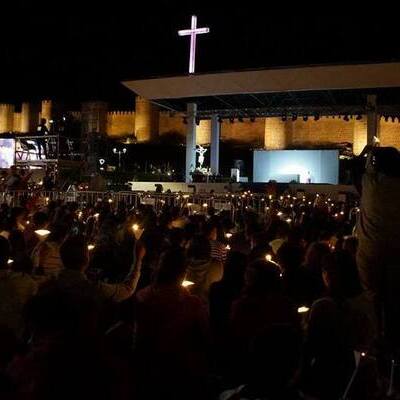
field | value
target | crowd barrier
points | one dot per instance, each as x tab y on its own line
233	203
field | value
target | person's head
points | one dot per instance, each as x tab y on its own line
262	277
274	356
199	248
315	255
5	252
171	268
386	160
17	215
40	220
340	275
58	232
210	231
74	253
290	256
176	237
22	263
235	266
350	244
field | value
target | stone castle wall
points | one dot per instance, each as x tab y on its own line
147	123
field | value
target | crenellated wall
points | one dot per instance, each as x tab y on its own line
147	123
7	118
120	123
244	132
146	120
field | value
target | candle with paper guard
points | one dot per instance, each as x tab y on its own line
303	309
42	232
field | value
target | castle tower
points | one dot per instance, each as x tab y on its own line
276	136
146	120
47	111
6	118
29	118
94	117
203	132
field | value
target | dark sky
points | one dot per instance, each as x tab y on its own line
77	52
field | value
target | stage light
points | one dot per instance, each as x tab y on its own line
305	118
359	117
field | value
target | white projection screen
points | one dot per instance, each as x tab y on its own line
7	153
321	166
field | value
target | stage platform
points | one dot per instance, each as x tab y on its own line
331	190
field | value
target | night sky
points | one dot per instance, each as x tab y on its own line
75	53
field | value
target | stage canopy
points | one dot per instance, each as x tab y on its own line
308	90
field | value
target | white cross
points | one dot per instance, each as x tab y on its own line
192	32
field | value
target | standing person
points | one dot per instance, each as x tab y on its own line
42	130
13	179
172	334
379	220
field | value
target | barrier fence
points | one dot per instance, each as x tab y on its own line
233	203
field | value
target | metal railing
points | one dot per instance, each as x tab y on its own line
52	147
234	203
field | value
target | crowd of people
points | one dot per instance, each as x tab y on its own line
109	301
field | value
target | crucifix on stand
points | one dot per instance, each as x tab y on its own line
193	32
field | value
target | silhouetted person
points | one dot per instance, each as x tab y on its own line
42	130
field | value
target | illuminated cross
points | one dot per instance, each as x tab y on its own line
193	32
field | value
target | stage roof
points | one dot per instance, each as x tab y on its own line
324	89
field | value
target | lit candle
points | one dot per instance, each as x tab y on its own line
303	309
268	257
228	235
42	232
10	261
186	283
91	247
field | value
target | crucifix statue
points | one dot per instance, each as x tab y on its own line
193	32
201	151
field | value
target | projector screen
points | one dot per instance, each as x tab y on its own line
7	153
320	166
